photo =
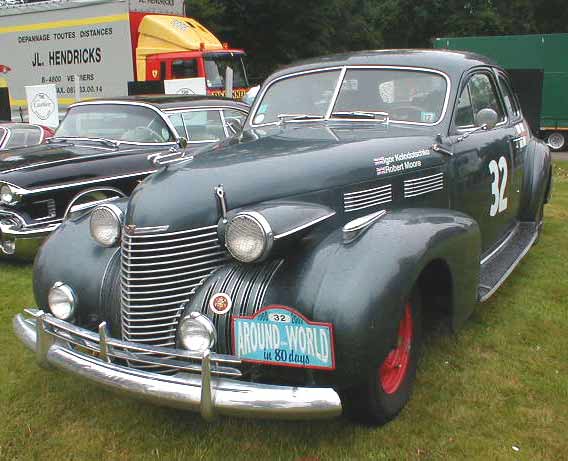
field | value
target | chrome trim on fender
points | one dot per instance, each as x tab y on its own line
304	226
354	229
206	385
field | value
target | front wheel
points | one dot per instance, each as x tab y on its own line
390	380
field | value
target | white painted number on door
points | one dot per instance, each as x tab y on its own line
498	187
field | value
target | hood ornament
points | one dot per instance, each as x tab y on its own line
221	198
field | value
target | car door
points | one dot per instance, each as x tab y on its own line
483	159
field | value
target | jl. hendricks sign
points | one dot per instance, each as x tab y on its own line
174	7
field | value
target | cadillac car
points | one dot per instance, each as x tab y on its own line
101	151
286	272
13	134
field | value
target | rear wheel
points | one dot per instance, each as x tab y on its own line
556	140
390	380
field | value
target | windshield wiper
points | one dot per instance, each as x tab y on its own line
284	117
362	114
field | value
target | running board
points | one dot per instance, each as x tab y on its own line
498	266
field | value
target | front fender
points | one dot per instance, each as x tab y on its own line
360	287
71	256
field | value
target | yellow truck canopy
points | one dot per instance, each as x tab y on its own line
170	34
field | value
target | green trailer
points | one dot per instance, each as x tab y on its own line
546	52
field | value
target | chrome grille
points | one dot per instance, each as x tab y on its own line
359	200
424	185
160	270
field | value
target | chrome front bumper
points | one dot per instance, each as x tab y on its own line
22	242
202	383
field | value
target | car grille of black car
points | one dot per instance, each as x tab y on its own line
160	271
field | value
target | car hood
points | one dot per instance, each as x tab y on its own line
272	163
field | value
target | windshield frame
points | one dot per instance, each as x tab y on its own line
161	114
335	95
4	136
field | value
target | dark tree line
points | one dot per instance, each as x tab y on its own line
276	32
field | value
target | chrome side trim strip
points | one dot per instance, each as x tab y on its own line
422	178
354	229
304	226
368	191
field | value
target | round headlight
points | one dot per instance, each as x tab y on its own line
248	236
106	222
62	301
7	195
196	332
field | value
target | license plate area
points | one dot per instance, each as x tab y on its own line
280	335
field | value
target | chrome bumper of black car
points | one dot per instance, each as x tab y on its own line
22	241
206	383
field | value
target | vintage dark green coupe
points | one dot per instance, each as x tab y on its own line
285	273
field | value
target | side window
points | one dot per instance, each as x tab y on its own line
23	137
464	110
177	122
184	68
483	95
509	98
235	114
203	125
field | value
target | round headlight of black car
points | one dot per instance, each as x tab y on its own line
62	301
197	333
105	225
8	196
248	236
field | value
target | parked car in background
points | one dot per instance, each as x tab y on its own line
101	151
285	272
14	134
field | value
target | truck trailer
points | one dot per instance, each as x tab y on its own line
544	52
93	48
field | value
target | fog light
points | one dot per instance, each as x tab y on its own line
196	332
62	301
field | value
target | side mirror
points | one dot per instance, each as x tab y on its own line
182	143
234	126
487	117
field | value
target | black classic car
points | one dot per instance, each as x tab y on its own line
14	134
101	151
285	272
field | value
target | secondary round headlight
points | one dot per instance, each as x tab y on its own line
196	332
8	195
62	301
248	236
105	225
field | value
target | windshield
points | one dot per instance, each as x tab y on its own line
411	96
216	65
118	122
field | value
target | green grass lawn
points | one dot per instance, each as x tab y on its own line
502	382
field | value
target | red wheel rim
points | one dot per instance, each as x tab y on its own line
393	370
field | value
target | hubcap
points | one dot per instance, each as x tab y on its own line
556	140
395	367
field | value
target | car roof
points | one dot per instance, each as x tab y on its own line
165	102
9	125
450	62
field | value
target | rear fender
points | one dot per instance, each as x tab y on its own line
537	179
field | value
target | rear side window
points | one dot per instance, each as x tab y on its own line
23	137
509	98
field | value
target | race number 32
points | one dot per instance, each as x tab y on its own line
500	174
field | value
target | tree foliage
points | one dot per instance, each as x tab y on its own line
275	32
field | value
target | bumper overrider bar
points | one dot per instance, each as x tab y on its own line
207	383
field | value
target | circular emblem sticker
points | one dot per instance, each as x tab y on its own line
42	106
220	303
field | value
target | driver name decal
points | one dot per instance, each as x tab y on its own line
394	163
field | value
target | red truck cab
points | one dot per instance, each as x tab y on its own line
173	47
